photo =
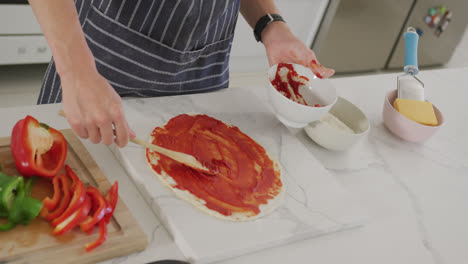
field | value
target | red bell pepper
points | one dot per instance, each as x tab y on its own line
100	205
74	219
72	175
112	197
51	203
37	148
79	195
102	237
63	205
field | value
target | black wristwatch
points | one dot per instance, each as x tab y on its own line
263	22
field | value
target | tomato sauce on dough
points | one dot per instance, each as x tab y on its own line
245	177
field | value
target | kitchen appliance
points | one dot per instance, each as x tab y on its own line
367	35
21	39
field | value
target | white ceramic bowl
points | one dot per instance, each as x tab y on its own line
333	138
317	91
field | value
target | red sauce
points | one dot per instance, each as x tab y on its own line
282	86
245	178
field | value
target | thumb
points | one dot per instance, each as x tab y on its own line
131	133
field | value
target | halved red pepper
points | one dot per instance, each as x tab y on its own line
112	197
51	203
74	219
63	205
37	148
79	195
101	239
100	209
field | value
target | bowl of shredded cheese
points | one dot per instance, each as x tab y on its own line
341	128
297	95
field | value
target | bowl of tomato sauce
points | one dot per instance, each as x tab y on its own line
298	96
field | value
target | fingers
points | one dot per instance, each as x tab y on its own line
131	133
99	128
93	131
320	70
121	128
316	67
78	127
107	133
307	58
301	59
75	120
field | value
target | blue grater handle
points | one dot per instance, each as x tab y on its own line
411	51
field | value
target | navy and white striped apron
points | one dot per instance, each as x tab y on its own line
147	48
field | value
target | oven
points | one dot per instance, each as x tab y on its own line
21	39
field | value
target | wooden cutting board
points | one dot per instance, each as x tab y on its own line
36	244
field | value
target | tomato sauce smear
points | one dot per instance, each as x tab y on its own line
289	87
245	176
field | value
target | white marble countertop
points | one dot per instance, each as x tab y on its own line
415	195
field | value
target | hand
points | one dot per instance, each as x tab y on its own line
282	46
92	106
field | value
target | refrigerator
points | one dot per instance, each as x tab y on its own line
367	35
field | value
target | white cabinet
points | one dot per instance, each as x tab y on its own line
21	39
302	16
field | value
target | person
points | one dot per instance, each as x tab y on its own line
107	49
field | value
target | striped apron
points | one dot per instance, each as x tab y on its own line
148	48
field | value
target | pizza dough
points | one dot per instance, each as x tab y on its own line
248	182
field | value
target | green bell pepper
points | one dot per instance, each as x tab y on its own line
24	208
28	185
8	192
7	227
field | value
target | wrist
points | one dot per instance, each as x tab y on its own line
79	65
74	59
274	30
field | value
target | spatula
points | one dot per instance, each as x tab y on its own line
186	159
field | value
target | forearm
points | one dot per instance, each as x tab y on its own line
253	10
61	27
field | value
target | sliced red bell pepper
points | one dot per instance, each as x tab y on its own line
74	219
112	197
37	148
63	205
100	205
51	204
79	195
102	237
72	175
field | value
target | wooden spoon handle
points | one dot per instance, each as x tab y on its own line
183	158
186	159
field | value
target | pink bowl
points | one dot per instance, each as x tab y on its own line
405	128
